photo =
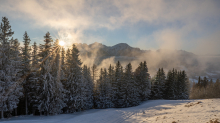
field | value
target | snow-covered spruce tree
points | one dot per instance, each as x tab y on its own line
175	83
103	98
185	86
108	90
94	72
156	93
74	84
10	89
17	64
162	82
118	90
143	82
110	77
33	79
114	83
88	87
34	55
45	79
132	94
158	85
26	58
63	59
100	92
171	90
63	70
179	85
50	91
58	74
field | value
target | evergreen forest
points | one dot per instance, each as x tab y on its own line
48	79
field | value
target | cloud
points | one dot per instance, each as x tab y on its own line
110	14
175	20
208	45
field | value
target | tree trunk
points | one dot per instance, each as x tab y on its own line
16	112
2	114
26	109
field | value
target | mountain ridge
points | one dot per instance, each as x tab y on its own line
121	49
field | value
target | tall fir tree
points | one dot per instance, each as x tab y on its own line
10	89
88	87
57	73
132	94
34	55
50	92
74	84
94	72
33	80
26	58
170	91
110	76
162	82
100	91
184	86
143	80
157	93
45	79
118	90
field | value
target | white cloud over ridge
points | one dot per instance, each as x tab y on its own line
176	19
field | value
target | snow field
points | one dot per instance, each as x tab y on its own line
152	111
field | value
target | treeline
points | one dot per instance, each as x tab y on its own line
205	89
173	86
117	87
124	88
46	79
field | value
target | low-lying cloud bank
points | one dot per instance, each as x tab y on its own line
194	65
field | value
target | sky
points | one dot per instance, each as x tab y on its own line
191	25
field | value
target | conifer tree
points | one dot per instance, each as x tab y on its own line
103	93
74	84
26	58
100	91
57	73
131	98
33	80
107	89
118	90
50	93
46	80
110	76
156	89
142	79
63	58
34	55
162	82
184	86
199	81
88	87
94	72
170	87
10	90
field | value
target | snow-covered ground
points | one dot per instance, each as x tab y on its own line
153	111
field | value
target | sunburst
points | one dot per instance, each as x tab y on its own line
61	43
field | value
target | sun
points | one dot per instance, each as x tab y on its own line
61	43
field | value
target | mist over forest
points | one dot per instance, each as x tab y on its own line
195	65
